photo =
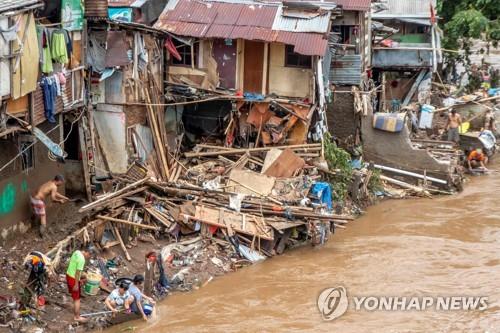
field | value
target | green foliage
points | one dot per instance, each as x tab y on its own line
465	20
339	161
375	184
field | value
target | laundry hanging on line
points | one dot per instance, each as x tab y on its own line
52	86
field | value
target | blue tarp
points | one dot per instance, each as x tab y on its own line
323	192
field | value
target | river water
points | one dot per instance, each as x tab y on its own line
447	246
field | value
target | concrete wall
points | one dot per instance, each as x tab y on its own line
16	185
342	121
395	150
287	81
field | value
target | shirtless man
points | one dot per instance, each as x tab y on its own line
38	203
453	124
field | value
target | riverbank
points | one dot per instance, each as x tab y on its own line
190	263
445	246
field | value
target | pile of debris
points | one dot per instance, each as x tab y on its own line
224	208
257	199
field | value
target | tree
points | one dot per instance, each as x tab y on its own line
466	20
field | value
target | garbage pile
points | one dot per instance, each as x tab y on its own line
257	200
226	209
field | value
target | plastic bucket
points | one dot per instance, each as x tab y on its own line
91	287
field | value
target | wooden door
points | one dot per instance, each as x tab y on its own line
253	67
225	56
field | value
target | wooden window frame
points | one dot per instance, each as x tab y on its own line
303	61
185	53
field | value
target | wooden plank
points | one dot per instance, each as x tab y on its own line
122	244
236	151
251	183
286	165
85	160
112	219
112	195
232	220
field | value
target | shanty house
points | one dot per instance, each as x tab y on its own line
41	93
350	51
258	50
406	49
125	62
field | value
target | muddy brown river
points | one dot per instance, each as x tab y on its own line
447	246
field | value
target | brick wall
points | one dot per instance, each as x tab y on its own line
342	121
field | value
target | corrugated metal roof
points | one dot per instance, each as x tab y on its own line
247	20
357	5
317	24
228	13
6	5
219	31
257	16
346	70
120	3
304	43
406	8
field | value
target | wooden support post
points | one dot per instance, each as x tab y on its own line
85	161
122	244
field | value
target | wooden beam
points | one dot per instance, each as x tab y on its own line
112	219
111	195
122	244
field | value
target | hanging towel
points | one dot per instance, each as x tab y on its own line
58	47
44	47
10	34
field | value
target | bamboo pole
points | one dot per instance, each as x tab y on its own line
307	147
112	219
112	195
122	244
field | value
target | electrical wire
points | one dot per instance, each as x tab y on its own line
51	156
25	149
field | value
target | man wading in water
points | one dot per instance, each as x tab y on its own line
38	203
453	124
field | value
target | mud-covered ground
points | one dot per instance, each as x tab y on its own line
198	266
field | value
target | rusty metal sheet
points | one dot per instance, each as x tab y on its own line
228	13
219	31
250	21
346	70
120	3
304	43
257	16
358	5
116	54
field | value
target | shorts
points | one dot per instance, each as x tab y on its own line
453	135
75	295
38	206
